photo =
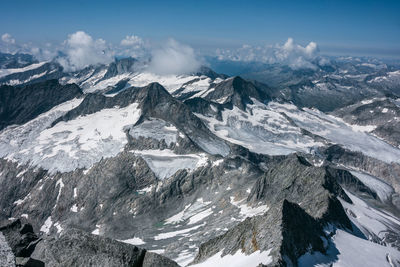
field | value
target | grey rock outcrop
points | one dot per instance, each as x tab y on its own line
7	258
22	241
77	248
383	114
72	248
155	260
21	104
236	91
120	66
302	200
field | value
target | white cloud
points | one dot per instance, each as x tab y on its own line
44	53
173	58
132	40
290	53
8	44
81	51
133	46
7	38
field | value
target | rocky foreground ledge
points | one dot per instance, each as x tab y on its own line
20	246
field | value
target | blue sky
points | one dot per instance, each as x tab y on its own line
336	26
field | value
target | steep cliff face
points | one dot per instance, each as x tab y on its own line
22	104
303	202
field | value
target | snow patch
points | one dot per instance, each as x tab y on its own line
382	189
176	233
5	72
261	129
133	241
246	210
74	208
58	227
350	250
194	212
81	142
145	190
165	163
158	251
368	219
200	216
217	162
97	230
239	259
46	226
156	129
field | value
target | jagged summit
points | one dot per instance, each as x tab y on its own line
120	66
236	91
293	189
210	73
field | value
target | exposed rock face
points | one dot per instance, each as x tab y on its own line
7	258
291	183
22	240
121	198
237	92
382	115
348	181
332	95
72	248
21	104
390	173
303	201
286	240
77	248
203	106
210	73
155	260
120	66
114	181
46	71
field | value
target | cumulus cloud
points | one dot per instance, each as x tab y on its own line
8	44
81	50
173	58
44	53
290	53
7	38
132	40
133	46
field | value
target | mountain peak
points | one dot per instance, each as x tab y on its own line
237	92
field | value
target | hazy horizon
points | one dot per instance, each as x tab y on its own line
358	28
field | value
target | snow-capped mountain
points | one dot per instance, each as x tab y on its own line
202	168
381	115
338	82
15	61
